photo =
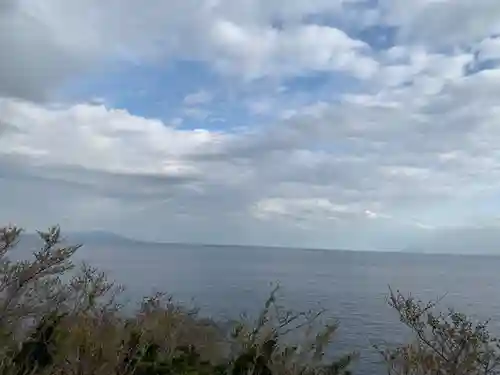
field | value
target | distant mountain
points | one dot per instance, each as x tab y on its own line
96	236
84	237
31	242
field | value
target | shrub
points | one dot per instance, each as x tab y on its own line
58	319
444	343
55	319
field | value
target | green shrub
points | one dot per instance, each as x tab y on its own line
445	343
57	319
55	323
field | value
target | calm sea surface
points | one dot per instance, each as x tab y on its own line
353	286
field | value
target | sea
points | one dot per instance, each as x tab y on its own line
225	282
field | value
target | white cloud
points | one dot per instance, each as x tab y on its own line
94	137
410	145
199	97
390	160
301	209
258	51
57	40
443	22
489	48
196	113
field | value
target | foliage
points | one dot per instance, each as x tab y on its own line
445	343
58	319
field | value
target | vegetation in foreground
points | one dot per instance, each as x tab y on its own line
58	319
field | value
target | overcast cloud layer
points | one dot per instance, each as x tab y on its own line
318	123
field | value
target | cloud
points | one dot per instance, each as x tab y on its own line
52	44
387	158
308	209
441	23
196	113
378	163
32	59
130	162
93	137
244	39
401	141
199	97
257	52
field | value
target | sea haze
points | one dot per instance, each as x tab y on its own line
226	281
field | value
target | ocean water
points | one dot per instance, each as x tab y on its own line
227	281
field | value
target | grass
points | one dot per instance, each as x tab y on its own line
56	318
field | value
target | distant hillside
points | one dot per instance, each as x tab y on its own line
99	237
87	237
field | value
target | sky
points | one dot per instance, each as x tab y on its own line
359	124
